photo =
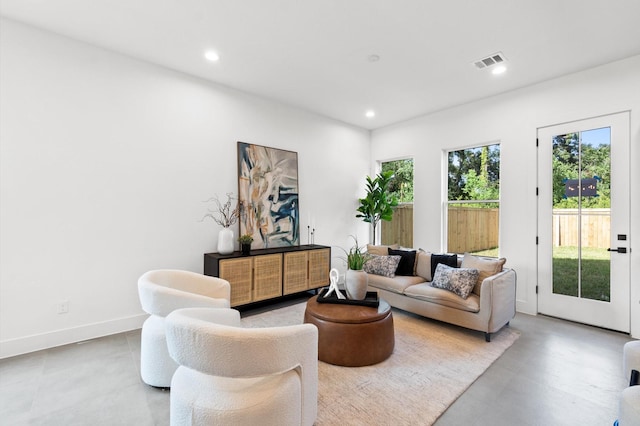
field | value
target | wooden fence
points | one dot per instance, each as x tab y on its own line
464	223
400	229
596	228
472	229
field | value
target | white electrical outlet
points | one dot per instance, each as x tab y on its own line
63	307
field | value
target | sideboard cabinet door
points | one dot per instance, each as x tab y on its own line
239	273
319	264
267	277
296	275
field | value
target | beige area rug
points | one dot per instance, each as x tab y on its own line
431	366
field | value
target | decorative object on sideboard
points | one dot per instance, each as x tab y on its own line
356	279
311	234
245	243
268	190
225	215
225	241
379	203
311	230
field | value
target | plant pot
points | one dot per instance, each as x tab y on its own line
246	248
225	241
356	283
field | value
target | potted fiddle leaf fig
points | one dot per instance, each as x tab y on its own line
379	203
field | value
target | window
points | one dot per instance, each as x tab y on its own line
473	200
400	229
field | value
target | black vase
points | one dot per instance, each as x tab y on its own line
246	249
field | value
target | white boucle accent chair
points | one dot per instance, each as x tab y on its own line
230	375
630	358
629	410
161	292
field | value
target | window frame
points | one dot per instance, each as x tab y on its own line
445	192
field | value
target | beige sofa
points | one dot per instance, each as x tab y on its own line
489	307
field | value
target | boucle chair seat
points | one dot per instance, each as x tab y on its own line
230	375
264	400
161	292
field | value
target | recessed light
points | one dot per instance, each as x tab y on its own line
370	114
211	56
500	69
373	58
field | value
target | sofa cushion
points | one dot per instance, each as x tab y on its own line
446	259
407	265
423	265
486	266
381	250
458	280
396	285
443	297
382	265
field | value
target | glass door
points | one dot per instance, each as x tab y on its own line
583	219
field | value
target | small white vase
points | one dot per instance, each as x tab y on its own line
356	283
225	241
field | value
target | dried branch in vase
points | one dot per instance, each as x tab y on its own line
223	214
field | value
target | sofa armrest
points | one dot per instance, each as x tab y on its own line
498	295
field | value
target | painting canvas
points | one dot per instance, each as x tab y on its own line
268	191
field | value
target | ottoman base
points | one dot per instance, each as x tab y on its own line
364	340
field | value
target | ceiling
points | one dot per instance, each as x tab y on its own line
315	54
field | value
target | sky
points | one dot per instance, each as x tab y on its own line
597	137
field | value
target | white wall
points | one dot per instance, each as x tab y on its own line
513	119
105	163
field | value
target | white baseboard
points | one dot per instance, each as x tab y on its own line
526	307
37	342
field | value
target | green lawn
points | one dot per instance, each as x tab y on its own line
595	272
489	252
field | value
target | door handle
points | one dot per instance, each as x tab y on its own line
619	249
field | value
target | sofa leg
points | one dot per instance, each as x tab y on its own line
487	337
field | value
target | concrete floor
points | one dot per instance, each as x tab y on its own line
556	373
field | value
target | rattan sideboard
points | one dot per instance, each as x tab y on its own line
271	273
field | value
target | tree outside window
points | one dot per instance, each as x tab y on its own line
402	183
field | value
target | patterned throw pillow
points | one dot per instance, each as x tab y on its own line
458	280
382	265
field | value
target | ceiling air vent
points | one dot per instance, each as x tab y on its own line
489	61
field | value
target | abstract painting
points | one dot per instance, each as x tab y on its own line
268	191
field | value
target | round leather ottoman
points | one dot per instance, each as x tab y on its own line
350	335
